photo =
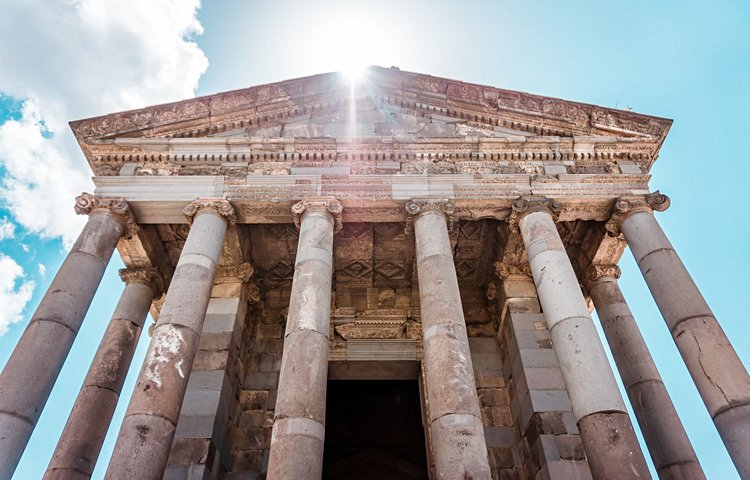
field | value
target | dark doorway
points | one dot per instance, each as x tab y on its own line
374	431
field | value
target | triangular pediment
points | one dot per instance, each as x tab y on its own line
389	102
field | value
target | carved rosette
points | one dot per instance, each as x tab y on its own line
87	204
146	275
596	272
416	207
626	206
504	270
526	204
320	204
219	205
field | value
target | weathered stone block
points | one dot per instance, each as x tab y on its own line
253	399
499	437
219	322
195	426
189	451
211	360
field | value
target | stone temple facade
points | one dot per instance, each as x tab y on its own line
388	279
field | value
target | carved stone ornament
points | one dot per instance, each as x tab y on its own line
86	204
595	272
219	205
362	329
526	204
234	273
505	270
321	204
156	306
146	275
626	206
416	207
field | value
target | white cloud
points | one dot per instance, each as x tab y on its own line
74	59
14	294
7	229
42	269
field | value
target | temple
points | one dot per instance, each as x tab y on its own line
390	278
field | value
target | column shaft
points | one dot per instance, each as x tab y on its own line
147	431
81	441
455	421
668	444
34	365
717	371
608	436
299	424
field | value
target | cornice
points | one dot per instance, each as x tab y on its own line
477	105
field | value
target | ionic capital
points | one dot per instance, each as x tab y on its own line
527	204
595	272
88	204
504	270
626	206
146	275
220	206
416	207
234	273
319	204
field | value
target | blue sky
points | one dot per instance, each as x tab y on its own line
684	60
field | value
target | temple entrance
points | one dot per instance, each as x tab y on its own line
374	431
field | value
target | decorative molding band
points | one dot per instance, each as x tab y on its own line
626	206
319	204
220	206
596	272
87	204
146	275
416	207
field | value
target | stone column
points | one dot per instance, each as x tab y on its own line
455	421
32	369
717	371
147	430
668	444
299	422
608	436
79	445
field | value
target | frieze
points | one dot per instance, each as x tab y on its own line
234	273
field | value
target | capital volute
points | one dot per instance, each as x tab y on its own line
118	208
527	204
595	272
145	275
220	206
319	204
628	205
417	207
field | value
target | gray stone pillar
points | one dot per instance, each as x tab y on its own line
32	369
717	371
668	444
608	436
147	430
299	421
79	445
455	421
